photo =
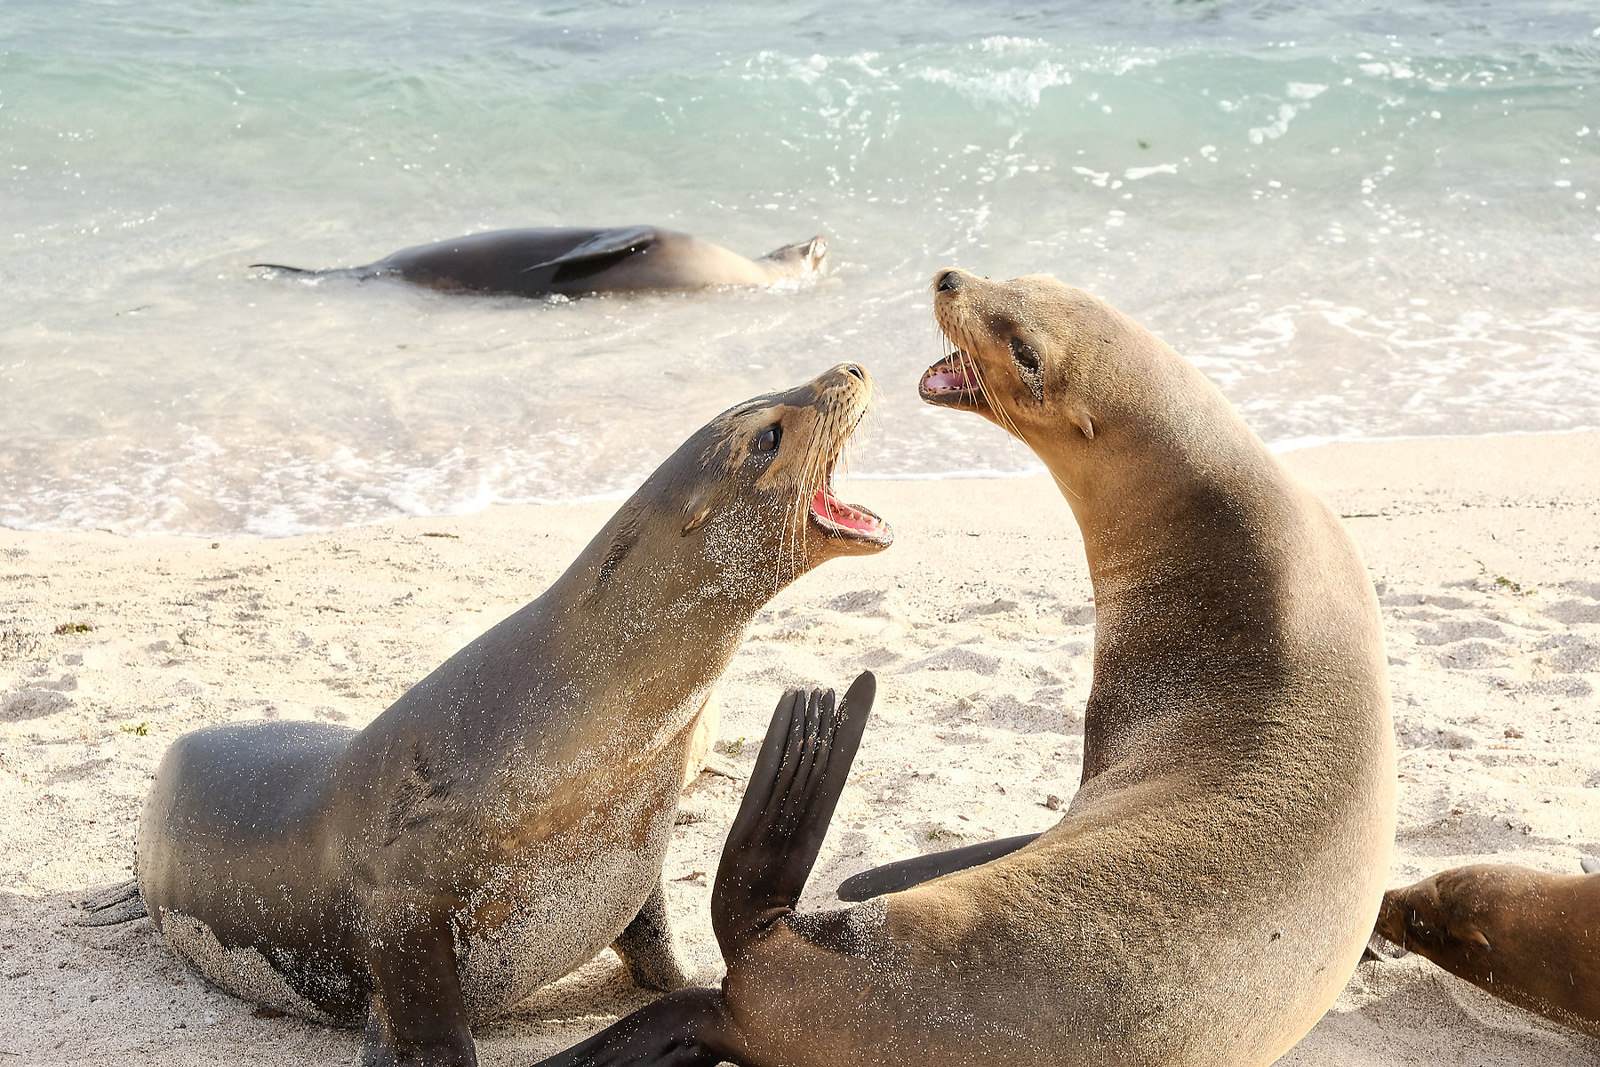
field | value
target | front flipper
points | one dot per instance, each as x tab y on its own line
118	904
418	1016
689	1028
600	252
646	946
770	850
784	816
903	874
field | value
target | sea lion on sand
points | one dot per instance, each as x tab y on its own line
578	262
1214	879
505	819
1527	936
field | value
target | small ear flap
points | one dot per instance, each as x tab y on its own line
696	512
1473	936
1083	422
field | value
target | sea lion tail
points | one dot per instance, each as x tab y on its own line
784	817
118	904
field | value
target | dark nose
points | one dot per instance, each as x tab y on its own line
948	281
851	368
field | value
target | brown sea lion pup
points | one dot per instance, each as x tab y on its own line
506	818
1214	880
576	262
1527	936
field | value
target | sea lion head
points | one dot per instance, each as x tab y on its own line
747	501
797	260
1444	917
1028	353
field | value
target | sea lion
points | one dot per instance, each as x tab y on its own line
579	262
1214	880
506	818
1527	936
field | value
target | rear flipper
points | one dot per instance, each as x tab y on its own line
118	904
793	790
284	269
689	1028
360	274
903	874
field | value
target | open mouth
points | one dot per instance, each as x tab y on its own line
850	522
839	519
953	381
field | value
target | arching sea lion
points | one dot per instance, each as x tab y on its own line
1527	936
1214	879
579	262
505	819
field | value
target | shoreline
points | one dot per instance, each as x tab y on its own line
1281	449
979	622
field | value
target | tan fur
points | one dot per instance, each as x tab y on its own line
1210	888
507	817
1526	936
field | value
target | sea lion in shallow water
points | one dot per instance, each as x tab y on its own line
1527	936
1214	880
505	819
580	262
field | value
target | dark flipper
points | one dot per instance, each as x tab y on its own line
1589	866
793	790
646	946
903	874
418	1016
689	1028
118	904
600	252
284	269
769	853
360	274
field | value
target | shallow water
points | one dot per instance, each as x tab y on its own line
1361	219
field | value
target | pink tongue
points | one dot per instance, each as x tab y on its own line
946	379
840	514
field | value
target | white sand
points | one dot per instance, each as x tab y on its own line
1486	555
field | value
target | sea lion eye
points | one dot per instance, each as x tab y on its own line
769	438
1028	364
1025	356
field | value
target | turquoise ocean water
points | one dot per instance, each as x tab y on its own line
1362	219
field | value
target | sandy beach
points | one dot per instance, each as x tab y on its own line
1485	553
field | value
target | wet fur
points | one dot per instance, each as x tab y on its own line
552	261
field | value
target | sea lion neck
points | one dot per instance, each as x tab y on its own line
1151	500
668	601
